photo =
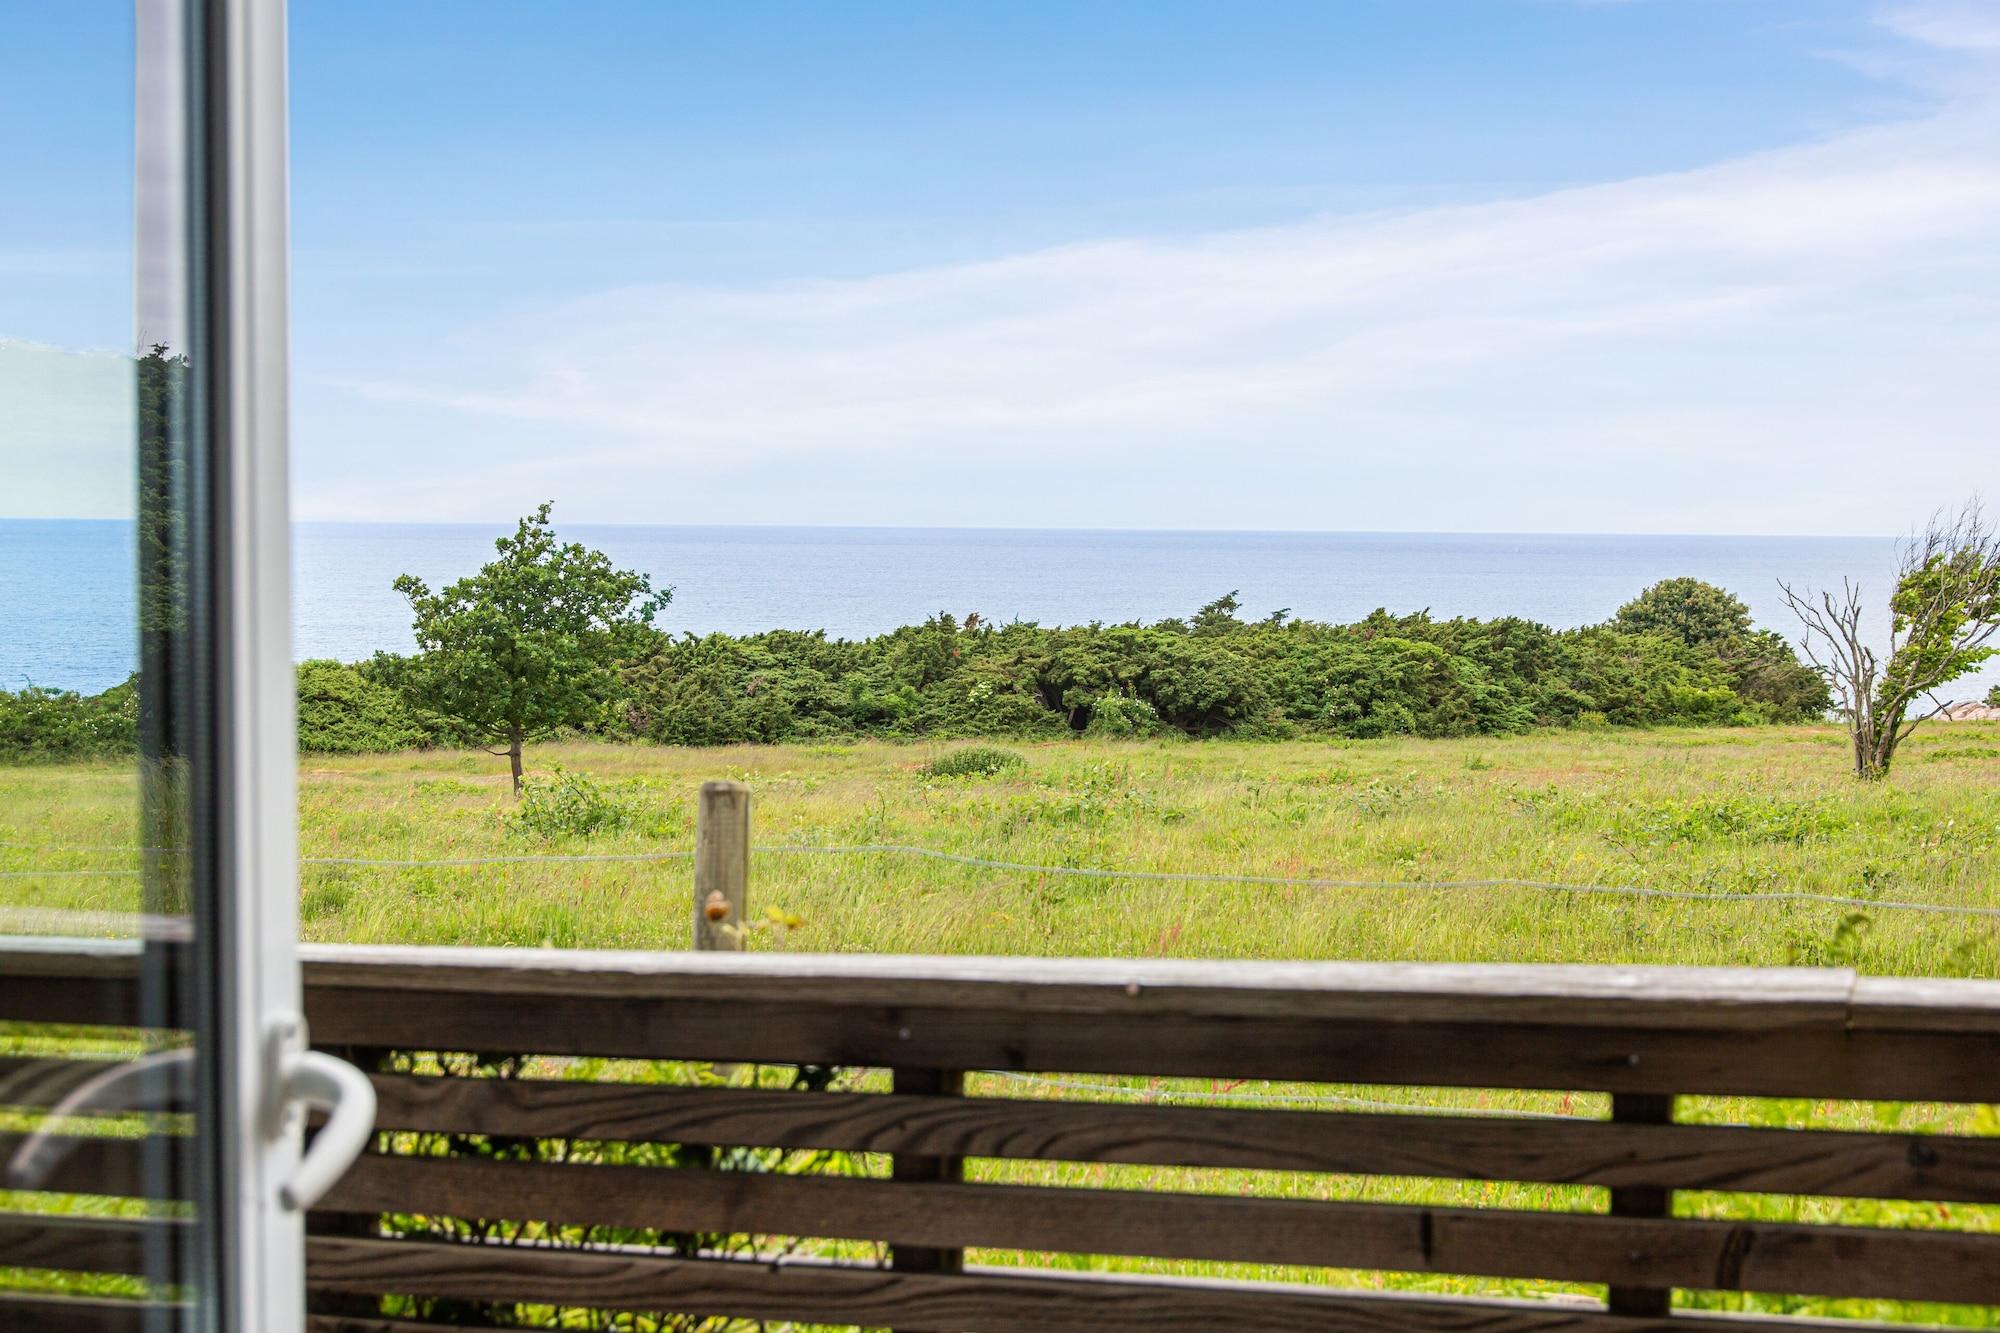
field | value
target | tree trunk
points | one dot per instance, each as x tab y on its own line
514	739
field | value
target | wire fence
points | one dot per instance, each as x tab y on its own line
1101	873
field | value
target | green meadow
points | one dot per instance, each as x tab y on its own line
1393	847
1729	813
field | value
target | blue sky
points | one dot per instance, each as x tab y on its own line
1659	265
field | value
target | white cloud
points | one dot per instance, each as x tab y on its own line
1751	345
1969	25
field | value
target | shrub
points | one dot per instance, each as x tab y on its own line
40	723
566	804
343	712
1122	715
975	761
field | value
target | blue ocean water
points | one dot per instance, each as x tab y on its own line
66	586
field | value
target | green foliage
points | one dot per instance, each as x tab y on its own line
567	805
1993	697
1123	715
528	645
341	711
1764	672
981	761
1934	607
551	637
1732	818
1686	610
40	723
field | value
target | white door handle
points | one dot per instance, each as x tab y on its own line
348	1098
297	1076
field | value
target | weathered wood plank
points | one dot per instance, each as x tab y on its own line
1744	998
1752	999
1943	1168
1641	1200
982	1299
100	1164
1634	1029
90	1001
41	1082
1589	1055
1812	1260
912	1167
89	1244
83	1314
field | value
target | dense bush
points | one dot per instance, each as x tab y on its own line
341	711
38	723
1683	653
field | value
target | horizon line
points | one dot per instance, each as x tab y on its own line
489	524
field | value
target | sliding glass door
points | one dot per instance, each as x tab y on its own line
152	1060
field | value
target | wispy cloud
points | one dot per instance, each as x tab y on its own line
1798	318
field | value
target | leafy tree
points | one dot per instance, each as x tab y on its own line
528	645
1943	613
1697	614
1993	697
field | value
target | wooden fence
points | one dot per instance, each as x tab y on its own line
886	1248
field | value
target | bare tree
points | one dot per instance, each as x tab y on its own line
1944	611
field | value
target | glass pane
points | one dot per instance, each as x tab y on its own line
99	531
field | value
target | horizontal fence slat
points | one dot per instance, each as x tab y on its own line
83	1314
41	1082
1753	1032
1943	1168
1588	1055
1749	1256
144	1168
1744	998
85	1001
987	1300
89	1244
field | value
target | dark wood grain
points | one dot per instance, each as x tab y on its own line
93	1164
1588	1055
32	1313
38	1083
1803	1259
89	1244
1641	1200
1579	1151
1641	1034
982	1299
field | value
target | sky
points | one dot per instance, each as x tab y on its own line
1704	266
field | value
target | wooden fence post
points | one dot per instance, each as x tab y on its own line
1641	1108
721	865
927	1169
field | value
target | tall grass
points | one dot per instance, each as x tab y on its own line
1733	812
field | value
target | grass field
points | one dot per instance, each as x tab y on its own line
1733	813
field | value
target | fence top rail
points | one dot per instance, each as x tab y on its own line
1819	999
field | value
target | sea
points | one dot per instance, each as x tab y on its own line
66	586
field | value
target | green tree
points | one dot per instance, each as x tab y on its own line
529	644
1943	613
1697	614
